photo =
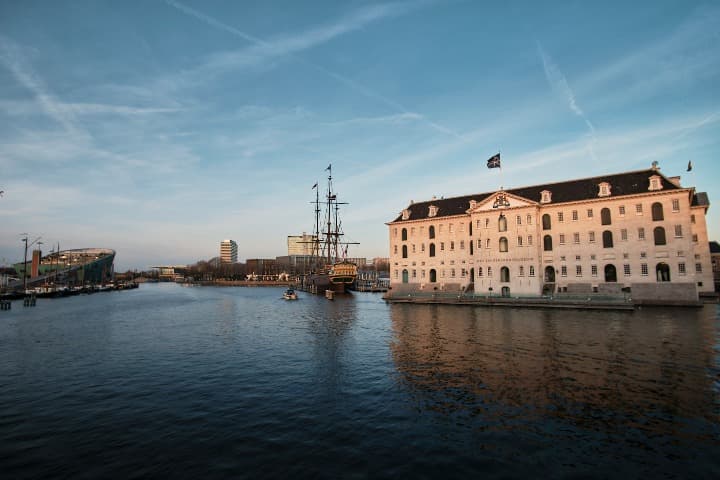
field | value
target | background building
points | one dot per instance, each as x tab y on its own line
638	232
300	244
228	251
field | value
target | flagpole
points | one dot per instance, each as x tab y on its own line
501	174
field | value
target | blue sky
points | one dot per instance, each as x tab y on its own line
159	128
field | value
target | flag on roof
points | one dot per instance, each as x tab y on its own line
689	166
494	161
314	186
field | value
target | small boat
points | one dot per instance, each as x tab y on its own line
290	294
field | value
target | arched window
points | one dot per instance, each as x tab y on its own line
607	239
659	234
404	252
605	216
610	273
662	271
547	243
549	274
404	234
404	276
503	244
502	223
657	212
546	222
504	274
432	249
431	231
433	275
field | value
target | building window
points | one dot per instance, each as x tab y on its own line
607	239
413	247
404	234
563	271
422	273
545	196
422	247
442	246
532	270
489	271
643	254
503	244
604	189
521	271
578	271
561	217
621	209
695	237
576	238
502	224
641	233
452	272
480	271
546	222
638	208
432	249
412	232
504	274
590	213
655	183
433	275
529	220
591	237
605	216
562	239
547	243
395	250
462	244
519	241
452	245
404	251
692	218
487	243
676	205
623	235
396	274
678	231
659	235
698	267
479	243
530	240
487	222
414	273
593	270
431	232
574	215
681	268
657	212
644	269
626	270
518	220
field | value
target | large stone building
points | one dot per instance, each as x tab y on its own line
639	232
228	251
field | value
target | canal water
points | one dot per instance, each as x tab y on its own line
201	382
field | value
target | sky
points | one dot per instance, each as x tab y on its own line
159	128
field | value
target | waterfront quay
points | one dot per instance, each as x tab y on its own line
165	381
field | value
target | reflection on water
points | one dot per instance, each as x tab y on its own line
180	382
647	370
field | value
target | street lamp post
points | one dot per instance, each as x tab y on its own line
25	259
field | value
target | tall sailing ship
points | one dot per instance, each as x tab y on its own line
330	269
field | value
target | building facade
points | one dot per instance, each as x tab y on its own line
228	251
300	244
622	232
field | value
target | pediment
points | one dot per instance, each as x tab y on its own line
498	200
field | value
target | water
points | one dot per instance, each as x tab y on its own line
199	382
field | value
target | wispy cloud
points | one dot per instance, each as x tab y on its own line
262	51
12	57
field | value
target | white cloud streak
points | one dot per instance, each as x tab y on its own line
290	46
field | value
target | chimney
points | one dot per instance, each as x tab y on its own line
35	269
675	181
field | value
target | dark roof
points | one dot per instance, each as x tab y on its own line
628	183
714	247
700	199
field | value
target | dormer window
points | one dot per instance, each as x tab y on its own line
406	214
473	204
604	189
545	196
432	211
655	183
